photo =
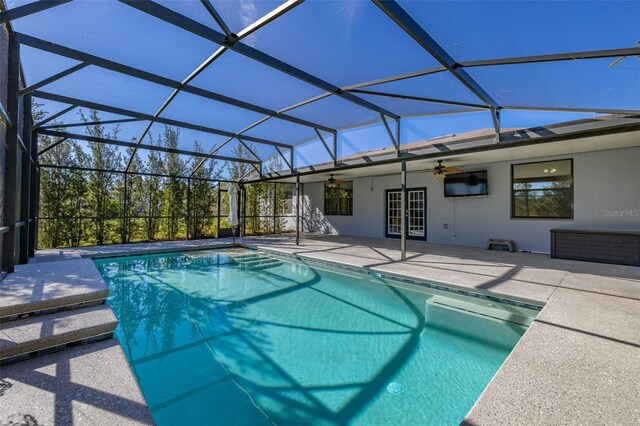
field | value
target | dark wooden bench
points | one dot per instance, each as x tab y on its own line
617	247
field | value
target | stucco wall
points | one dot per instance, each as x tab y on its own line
606	189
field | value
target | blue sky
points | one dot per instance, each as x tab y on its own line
344	42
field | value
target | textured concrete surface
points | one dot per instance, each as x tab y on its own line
89	385
578	363
614	280
32	334
558	376
52	255
43	286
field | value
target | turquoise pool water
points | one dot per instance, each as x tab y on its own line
231	337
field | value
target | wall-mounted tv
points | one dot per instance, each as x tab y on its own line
469	184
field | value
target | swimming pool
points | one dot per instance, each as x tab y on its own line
239	337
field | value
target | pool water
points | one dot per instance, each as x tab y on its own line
236	337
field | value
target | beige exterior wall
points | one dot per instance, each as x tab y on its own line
606	195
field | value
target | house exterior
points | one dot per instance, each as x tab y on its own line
603	193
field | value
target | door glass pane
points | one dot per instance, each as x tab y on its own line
416	213
394	208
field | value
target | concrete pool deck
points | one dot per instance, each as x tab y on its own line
578	363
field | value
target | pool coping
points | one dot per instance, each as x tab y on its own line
436	285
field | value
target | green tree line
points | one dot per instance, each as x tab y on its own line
96	207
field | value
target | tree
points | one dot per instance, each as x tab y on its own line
238	170
152	200
175	187
202	194
133	198
103	204
62	191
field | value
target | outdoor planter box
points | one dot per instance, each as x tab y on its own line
619	247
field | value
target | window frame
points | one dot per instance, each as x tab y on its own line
571	190
339	204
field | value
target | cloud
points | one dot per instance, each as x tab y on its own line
248	15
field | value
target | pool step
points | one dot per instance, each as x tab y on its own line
46	288
265	265
514	314
40	335
256	261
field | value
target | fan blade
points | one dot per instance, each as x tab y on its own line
339	181
452	169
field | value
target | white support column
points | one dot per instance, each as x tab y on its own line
403	208
297	210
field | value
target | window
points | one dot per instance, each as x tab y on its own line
338	198
542	190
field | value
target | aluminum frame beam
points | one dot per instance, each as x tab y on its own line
53	78
211	59
11	156
90	169
142	146
561	109
4	116
331	153
248	148
495	117
215	149
591	54
269	17
284	157
29	9
54	116
399	77
405	21
419	99
170	16
173	95
288	108
53	145
623	128
91	123
396	144
25	185
107	64
148	117
403	209
255	169
216	17
211	152
298	210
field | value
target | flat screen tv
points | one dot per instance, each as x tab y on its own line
469	184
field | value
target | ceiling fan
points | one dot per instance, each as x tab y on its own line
440	171
333	182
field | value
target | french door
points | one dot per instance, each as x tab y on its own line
416	204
